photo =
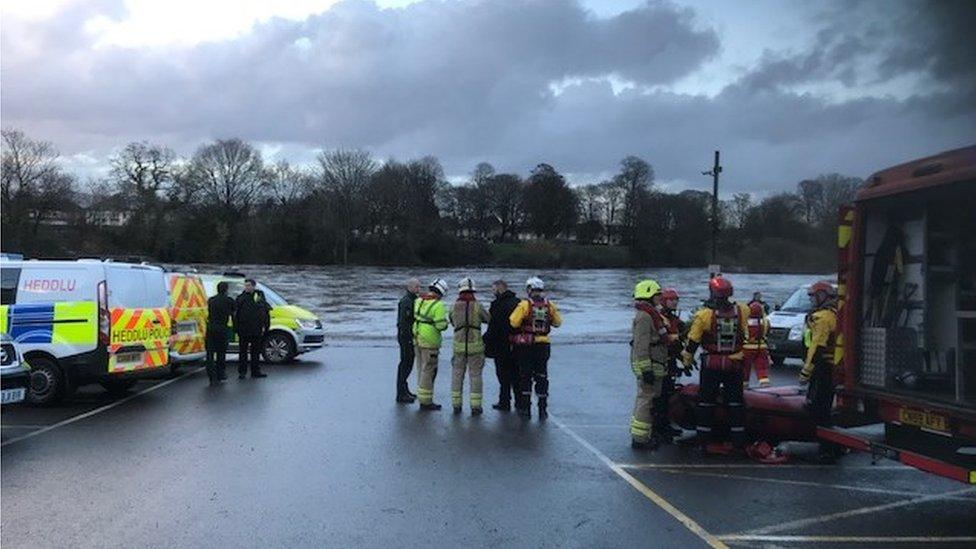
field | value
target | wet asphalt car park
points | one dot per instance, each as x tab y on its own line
318	454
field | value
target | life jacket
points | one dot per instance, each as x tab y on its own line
538	322
675	327
660	322
723	338
757	320
825	354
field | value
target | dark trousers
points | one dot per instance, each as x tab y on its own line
405	366
820	394
507	372
660	406
216	349
249	354
533	366
729	382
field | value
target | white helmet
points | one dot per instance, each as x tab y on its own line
439	285
535	283
466	285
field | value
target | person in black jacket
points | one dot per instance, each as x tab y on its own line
405	340
220	308
498	346
252	320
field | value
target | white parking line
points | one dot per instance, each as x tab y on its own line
98	410
850	539
22	426
684	519
806	483
762	466
792	525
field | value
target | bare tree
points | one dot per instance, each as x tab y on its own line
636	177
810	193
143	174
344	176
227	175
287	184
32	186
739	208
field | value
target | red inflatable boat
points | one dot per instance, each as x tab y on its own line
773	414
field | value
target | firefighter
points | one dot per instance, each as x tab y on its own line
755	352
820	338
467	316
532	320
677	332
429	320
648	358
719	328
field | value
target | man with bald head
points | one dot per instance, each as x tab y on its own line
405	339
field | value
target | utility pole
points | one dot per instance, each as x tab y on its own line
716	169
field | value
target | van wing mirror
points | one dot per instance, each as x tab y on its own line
777	307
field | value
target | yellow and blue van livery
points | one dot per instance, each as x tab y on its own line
85	321
293	331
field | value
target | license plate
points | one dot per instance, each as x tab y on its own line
186	328
926	420
9	396
128	358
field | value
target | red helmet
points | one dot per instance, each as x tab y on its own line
668	294
823	286
822	292
720	286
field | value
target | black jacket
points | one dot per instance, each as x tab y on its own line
220	308
496	338
405	317
253	316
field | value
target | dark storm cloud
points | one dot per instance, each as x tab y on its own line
471	81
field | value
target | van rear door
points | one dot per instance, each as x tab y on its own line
140	320
188	302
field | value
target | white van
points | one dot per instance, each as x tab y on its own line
85	321
785	337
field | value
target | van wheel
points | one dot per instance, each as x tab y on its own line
47	383
278	348
117	387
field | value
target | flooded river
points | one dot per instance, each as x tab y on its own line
358	304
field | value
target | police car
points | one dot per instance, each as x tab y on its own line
14	374
85	321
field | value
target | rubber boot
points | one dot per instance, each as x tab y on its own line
457	410
502	406
430	407
476	411
543	408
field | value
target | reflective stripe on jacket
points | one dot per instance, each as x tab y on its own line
429	320
467	316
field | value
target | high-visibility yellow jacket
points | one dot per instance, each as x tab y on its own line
701	325
429	320
820	337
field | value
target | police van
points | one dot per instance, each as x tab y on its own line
85	321
188	311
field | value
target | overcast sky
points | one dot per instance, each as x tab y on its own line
787	90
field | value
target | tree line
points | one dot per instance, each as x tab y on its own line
226	203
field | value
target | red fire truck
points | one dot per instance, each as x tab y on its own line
907	277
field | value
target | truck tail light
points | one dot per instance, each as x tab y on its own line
104	318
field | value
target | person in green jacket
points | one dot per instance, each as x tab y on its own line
429	320
467	316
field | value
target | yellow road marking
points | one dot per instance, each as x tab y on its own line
98	410
684	519
851	539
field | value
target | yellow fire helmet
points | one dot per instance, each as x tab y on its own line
646	289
